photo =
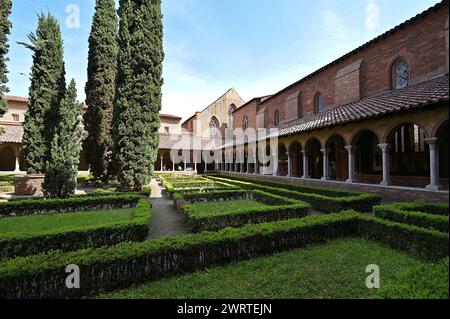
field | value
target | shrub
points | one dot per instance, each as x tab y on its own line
427	243
361	202
74	239
281	208
398	213
45	206
120	266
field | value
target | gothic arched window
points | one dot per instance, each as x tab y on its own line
245	123
277	118
319	104
400	74
213	127
230	116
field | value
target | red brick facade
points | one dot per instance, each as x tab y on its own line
368	70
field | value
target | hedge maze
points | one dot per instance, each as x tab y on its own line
232	220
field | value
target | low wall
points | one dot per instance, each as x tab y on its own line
388	193
29	185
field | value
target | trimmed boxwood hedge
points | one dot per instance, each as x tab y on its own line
403	213
72	204
83	237
281	208
123	265
361	202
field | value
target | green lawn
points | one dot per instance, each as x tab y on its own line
36	224
225	206
334	270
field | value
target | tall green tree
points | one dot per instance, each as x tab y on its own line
62	167
100	88
5	28
138	92
47	89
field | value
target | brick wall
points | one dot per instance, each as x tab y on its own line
388	194
424	44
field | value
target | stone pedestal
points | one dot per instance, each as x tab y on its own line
29	185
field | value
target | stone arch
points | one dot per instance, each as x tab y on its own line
315	158
296	157
386	132
282	159
368	161
337	157
7	158
438	126
408	152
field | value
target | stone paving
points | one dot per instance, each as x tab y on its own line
166	220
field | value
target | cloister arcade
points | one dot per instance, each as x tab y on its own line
403	150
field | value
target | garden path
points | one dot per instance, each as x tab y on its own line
166	220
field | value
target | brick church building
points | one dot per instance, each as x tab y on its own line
378	114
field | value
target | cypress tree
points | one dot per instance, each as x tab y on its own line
100	88
46	92
62	167
138	93
5	28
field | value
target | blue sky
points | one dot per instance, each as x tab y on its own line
256	46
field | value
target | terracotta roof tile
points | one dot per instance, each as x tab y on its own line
11	133
423	94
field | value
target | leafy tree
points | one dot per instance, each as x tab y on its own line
62	167
100	88
46	92
138	93
5	27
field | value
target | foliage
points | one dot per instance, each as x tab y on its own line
322	199
86	229
100	89
138	93
57	205
47	90
5	28
403	213
62	167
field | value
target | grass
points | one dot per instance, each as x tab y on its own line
37	224
225	206
334	270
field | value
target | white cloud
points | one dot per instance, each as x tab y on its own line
372	15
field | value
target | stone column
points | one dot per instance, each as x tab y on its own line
173	166
17	162
184	165
289	164
326	175
275	164
305	164
195	165
386	167
434	164
351	163
162	163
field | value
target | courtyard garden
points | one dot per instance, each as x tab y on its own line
245	239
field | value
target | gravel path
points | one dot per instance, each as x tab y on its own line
166	220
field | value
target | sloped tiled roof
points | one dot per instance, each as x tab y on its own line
11	133
419	95
185	141
426	93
